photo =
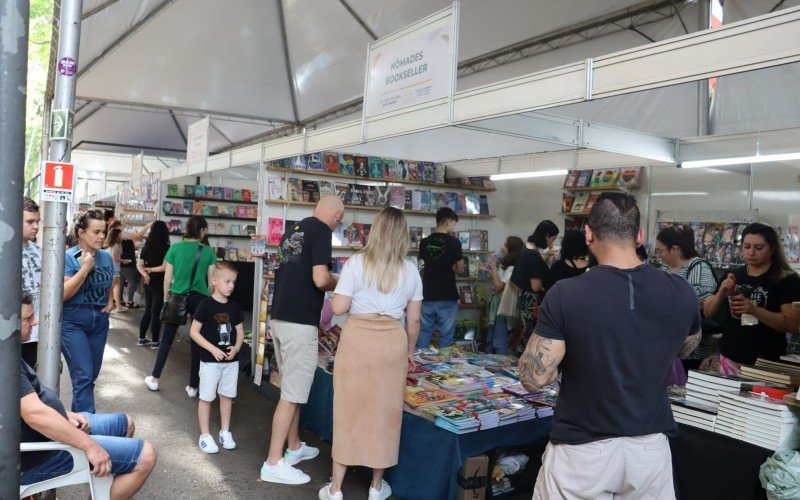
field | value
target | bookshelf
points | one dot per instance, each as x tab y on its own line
442	185
215	217
241	236
377	209
213	200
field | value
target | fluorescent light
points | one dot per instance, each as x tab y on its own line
525	175
740	160
678	193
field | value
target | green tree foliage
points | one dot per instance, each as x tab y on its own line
40	35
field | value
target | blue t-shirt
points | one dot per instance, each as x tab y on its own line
95	287
622	329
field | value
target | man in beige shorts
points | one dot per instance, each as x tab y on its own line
623	324
300	284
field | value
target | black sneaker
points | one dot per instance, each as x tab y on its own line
143	342
154	345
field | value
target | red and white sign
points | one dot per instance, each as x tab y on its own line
58	182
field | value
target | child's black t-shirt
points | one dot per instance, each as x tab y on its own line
219	326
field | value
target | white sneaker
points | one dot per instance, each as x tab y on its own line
381	494
207	444
226	439
325	493
191	391
151	383
283	473
302	453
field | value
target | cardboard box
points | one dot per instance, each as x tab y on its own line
473	478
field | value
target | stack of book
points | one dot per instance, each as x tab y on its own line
704	388
756	419
459	385
452	418
486	413
773	371
418	397
697	415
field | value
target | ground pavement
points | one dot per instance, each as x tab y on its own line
168	418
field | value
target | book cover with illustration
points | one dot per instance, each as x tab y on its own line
358	193
215	193
343	191
247	195
465	294
297	162
567	201
439	173
314	162
274	230
361	166
580	202
252	212
480	293
428	171
571	180
172	190
310	191
276	187
397	198
408	198
337	236
346	164
371	197
188	191
400	170
388	168
461	203
629	177
241	211
415	233
258	245
200	192
484	205
332	164
463	238
174	227
585	179
414	171
473	202
590	203
295	188
375	167
326	188
227	194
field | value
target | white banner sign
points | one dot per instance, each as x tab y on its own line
137	170
413	66
197	141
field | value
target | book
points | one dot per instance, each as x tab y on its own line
237	195
297	162
188	191
258	245
326	188
580	202
337	236
401	170
361	166
241	211
227	194
388	168
417	397
174	227
571	180
314	161
465	293
172	190
608	178
397	197
415	233
408	198
414	172
428	171
332	164
461	203
484	204
358	193
382	194
247	195
473	204
276	187
590	203
370	197
274	230
584	179
343	191
310	191
463	238
768	374
629	177
346	164
439	173
597	177
197	208
477	239
376	167
480	293
567	201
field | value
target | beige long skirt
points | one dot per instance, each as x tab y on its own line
369	375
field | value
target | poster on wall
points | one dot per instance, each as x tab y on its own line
413	66
197	142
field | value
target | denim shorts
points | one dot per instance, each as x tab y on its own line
107	430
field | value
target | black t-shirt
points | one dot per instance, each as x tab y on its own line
128	252
560	270
440	252
28	384
622	329
154	257
219	326
744	344
530	266
296	298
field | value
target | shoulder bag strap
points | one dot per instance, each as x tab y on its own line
194	267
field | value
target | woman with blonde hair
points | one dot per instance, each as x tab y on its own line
377	287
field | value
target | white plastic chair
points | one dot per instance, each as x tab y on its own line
99	487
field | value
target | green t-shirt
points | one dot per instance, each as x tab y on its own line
182	256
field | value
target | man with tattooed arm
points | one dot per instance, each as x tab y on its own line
614	333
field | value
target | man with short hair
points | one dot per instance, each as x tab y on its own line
31	271
443	258
105	438
301	281
621	324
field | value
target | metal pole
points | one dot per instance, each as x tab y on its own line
55	214
13	68
704	20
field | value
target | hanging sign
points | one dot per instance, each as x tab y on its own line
197	141
58	182
415	65
61	124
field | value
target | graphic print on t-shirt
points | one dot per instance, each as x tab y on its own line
31	268
224	328
292	249
760	297
98	282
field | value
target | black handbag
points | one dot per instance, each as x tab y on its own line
175	307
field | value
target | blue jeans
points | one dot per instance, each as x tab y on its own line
497	343
441	315
108	430
83	338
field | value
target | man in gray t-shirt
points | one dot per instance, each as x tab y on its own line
31	270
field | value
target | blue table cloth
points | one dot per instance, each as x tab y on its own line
430	457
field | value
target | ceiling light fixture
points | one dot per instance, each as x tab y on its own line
679	193
740	160
526	175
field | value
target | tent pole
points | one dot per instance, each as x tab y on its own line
13	66
702	85
55	214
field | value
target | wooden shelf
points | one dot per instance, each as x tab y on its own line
377	209
247	236
219	217
570	214
137	210
322	173
232	202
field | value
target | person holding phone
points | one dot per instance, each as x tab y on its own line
758	298
88	277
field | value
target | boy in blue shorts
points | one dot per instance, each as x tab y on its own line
217	329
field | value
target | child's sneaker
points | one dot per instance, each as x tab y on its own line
143	342
151	383
226	439
191	391
207	444
293	457
381	494
154	345
283	473
325	493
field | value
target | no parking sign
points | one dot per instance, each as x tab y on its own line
58	182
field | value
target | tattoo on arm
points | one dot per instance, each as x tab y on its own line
536	362
689	345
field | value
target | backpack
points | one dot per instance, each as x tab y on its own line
714	324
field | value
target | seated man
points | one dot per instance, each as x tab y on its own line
106	439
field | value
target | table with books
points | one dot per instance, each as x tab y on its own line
729	425
458	404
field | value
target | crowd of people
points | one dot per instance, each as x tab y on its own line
595	297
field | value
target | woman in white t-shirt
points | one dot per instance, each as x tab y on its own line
500	271
377	287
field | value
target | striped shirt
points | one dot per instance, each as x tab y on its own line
701	277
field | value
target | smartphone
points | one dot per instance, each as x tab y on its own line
78	255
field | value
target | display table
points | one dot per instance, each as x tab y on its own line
430	457
712	466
